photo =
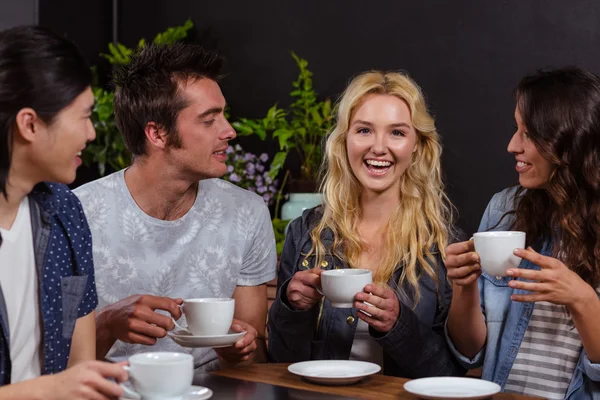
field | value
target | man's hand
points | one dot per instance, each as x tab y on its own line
134	320
243	350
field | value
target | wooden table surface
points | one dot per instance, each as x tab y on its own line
380	386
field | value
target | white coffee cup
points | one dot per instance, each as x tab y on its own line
208	316
159	375
496	250
341	285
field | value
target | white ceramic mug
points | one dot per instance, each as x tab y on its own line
159	375
341	285
496	250
208	316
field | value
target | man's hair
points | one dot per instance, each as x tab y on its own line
149	89
41	70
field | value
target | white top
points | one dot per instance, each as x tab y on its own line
364	347
225	240
548	354
18	277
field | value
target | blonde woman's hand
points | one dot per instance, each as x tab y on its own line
302	291
554	282
380	307
462	263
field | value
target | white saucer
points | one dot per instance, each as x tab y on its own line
334	372
451	388
186	339
193	393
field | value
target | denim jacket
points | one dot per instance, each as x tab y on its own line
415	347
62	245
507	320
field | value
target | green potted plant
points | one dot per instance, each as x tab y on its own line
301	129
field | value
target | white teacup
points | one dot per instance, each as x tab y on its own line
159	375
496	250
341	285
208	316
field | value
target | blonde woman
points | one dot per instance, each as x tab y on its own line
384	210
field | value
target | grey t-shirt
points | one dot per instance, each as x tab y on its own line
225	240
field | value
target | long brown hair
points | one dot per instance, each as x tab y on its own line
561	110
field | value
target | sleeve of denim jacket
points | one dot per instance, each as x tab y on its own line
418	348
591	370
290	331
477	360
82	240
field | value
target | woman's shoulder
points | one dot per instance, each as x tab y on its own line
504	200
498	214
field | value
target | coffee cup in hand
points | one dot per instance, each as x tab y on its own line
159	375
340	286
496	250
208	316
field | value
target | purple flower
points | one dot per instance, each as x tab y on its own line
234	178
250	168
230	168
229	150
264	157
261	189
252	189
267	197
272	189
268	180
237	158
260	167
249	156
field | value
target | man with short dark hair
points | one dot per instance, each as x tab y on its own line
165	229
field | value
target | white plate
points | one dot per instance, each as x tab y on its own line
193	393
186	339
334	372
451	388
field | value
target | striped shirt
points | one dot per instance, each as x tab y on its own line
548	354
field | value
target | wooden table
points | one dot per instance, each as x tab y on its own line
376	386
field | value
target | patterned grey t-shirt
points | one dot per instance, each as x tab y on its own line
225	240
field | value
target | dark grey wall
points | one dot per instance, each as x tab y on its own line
18	12
467	56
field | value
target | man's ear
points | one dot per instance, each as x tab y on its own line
28	124
156	135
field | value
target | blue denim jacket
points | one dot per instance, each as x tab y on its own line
414	348
507	320
62	245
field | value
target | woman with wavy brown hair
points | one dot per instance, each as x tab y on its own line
537	330
384	210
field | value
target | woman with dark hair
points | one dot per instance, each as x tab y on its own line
537	330
47	289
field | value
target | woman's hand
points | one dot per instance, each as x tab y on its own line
554	282
462	263
380	307
86	380
302	291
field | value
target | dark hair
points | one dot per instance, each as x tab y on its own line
38	69
148	89
561	111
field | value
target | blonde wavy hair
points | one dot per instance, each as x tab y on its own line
418	229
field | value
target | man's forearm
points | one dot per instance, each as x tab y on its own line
104	338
